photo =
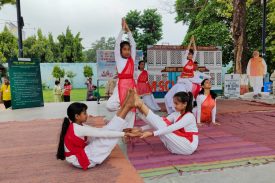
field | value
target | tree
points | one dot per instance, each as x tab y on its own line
270	40
209	22
3	2
54	47
146	27
212	21
38	47
58	73
239	33
70	47
8	45
70	75
102	44
88	71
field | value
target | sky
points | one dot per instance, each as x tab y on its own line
92	18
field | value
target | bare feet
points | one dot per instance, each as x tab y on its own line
129	101
138	101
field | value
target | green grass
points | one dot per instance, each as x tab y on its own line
76	94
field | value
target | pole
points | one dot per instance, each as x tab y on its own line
20	24
264	29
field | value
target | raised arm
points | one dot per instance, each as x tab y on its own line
117	46
132	41
195	48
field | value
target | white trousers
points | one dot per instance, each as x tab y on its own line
257	83
174	143
113	104
99	148
183	85
150	101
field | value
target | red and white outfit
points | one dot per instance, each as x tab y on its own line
67	90
196	82
86	146
125	69
144	90
183	84
179	133
206	109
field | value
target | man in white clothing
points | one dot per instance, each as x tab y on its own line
256	70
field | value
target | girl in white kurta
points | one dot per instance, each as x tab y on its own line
125	54
84	146
256	70
178	131
183	83
206	109
143	88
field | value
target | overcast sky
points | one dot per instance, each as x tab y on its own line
92	18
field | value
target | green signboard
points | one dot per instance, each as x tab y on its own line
25	81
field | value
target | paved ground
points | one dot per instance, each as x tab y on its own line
263	173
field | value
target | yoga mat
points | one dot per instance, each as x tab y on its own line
28	149
244	138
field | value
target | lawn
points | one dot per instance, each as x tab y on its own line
76	94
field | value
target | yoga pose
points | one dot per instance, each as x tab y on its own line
178	131
143	88
183	84
205	111
197	80
84	146
125	54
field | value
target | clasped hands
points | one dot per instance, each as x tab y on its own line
137	132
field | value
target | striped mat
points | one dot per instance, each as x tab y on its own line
235	143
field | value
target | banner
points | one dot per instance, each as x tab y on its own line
244	84
106	65
232	85
25	82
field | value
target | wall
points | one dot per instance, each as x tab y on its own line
78	81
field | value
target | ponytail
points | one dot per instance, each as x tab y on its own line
61	150
189	106
185	97
73	109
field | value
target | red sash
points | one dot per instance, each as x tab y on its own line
188	70
206	109
126	80
143	87
181	132
196	88
76	147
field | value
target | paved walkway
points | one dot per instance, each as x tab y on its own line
263	173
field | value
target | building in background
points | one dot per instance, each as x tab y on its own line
14	30
161	56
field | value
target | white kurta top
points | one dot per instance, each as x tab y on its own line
188	122
88	131
121	62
